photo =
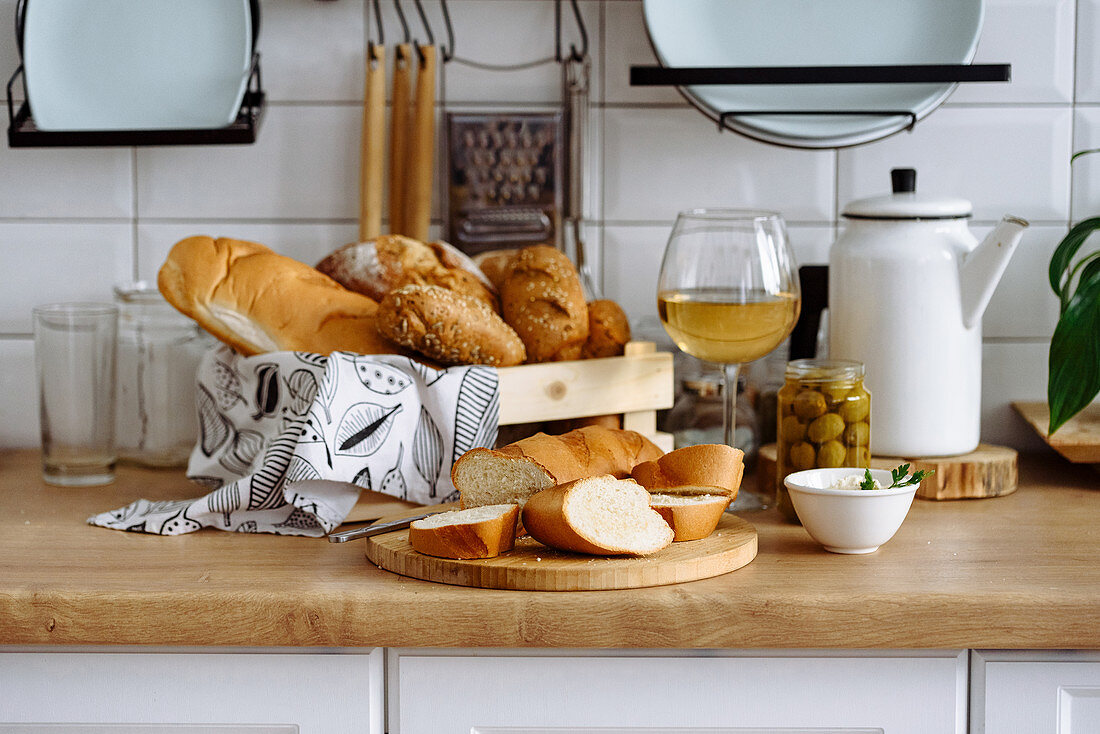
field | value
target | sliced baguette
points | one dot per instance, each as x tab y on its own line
480	532
703	469
597	515
691	517
515	472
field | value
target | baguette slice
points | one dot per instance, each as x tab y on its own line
597	515
481	532
515	472
691	517
703	469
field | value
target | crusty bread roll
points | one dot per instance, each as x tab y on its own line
608	330
598	515
542	299
377	266
691	517
256	300
493	265
447	326
480	532
515	472
704	469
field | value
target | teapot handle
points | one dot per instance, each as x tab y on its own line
814	281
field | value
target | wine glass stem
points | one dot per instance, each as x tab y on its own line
729	401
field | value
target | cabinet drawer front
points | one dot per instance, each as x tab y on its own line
190	693
719	693
1036	693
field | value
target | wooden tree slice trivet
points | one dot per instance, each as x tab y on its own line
987	471
531	566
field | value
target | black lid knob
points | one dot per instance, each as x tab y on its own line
904	180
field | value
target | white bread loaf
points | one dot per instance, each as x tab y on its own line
703	469
515	472
256	300
691	517
598	515
480	532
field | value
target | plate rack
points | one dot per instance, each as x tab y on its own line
23	133
652	76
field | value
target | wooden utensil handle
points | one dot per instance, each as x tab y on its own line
399	134
373	142
422	149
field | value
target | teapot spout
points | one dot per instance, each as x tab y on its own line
983	268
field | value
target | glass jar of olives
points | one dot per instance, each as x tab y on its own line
824	421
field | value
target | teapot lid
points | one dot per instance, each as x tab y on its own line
905	203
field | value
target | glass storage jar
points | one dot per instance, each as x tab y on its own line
159	350
823	421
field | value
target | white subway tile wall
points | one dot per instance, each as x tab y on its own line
75	221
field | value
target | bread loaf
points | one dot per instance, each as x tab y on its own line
515	472
449	327
598	515
493	265
480	532
702	469
542	299
608	330
691	517
256	300
379	265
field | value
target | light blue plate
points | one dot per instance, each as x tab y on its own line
815	33
136	64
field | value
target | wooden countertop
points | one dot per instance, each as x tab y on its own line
1021	571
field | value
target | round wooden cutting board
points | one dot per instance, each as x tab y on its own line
532	566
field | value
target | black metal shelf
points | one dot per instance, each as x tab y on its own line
23	133
652	76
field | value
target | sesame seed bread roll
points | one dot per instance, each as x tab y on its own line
449	327
597	515
257	301
542	299
691	517
493	265
480	532
703	469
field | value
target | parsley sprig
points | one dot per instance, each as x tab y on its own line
899	476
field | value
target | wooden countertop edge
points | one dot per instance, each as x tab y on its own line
267	620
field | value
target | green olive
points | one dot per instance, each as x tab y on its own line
857	456
835	393
826	428
831	455
857	434
792	430
802	456
809	404
856	407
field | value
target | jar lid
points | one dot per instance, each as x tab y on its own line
906	203
824	369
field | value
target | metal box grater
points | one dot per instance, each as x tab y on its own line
505	180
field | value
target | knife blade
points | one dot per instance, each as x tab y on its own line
377	528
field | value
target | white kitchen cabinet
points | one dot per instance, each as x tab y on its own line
1032	692
719	692
221	692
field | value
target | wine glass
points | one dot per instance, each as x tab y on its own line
728	294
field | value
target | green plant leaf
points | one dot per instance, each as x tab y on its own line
1074	358
1063	255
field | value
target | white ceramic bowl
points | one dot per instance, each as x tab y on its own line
848	520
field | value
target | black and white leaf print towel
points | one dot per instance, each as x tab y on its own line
289	439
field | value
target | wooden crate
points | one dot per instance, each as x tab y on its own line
637	385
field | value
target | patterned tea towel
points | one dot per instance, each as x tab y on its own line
288	439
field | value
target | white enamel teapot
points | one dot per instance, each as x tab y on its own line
908	284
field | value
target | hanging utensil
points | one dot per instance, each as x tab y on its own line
399	134
421	158
576	77
371	179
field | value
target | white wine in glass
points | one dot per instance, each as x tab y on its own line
728	294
